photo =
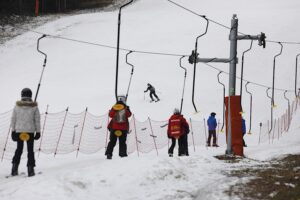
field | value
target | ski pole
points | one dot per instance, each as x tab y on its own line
118	48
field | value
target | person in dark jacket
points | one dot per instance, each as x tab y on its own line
212	125
118	127
152	92
25	126
244	131
178	128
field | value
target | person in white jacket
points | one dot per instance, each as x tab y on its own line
25	126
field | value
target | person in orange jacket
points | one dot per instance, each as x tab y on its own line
118	127
178	128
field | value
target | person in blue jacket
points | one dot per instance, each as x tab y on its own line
244	131
212	125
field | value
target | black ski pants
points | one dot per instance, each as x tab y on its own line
185	144
153	94
212	133
181	148
30	154
112	143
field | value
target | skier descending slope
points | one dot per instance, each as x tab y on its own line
24	123
152	92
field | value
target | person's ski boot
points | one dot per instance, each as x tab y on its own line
30	171
109	157
14	170
215	145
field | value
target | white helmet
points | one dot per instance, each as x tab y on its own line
122	98
176	111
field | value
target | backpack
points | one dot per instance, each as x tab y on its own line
120	116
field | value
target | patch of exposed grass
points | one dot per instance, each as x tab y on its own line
278	180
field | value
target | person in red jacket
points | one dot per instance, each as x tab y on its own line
178	128
118	127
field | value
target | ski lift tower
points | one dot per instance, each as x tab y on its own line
232	101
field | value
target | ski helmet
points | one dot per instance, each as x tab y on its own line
176	111
122	98
26	92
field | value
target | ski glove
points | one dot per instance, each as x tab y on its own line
37	135
14	136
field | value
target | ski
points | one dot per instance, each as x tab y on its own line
10	176
22	174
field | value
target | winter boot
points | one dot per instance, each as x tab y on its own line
109	157
30	171
14	170
170	155
215	145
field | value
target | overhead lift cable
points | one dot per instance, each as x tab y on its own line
227	27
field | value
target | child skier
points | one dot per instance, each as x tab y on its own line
118	127
25	126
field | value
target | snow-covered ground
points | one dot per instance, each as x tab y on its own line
79	75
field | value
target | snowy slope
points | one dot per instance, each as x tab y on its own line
81	75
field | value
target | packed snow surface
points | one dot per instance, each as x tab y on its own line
80	75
